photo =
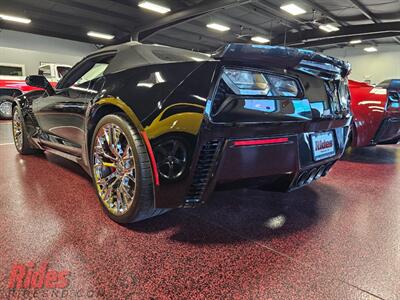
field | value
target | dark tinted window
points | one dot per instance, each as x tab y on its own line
10	71
395	84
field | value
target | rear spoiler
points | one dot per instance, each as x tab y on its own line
302	60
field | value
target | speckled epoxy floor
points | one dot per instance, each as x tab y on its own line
336	239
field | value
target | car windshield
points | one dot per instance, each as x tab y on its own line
62	71
45	71
94	73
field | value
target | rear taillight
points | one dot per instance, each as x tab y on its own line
260	142
237	84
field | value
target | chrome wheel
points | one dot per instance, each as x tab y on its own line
114	169
6	109
17	130
171	159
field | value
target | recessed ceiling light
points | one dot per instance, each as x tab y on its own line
355	42
370	49
328	28
260	39
15	19
100	35
293	9
218	27
154	7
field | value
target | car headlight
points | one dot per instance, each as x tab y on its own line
248	83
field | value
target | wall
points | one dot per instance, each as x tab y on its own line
376	67
31	49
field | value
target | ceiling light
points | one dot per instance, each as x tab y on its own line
260	39
328	28
154	7
15	19
370	49
100	35
218	27
355	42
293	9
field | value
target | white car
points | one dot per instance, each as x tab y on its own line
12	82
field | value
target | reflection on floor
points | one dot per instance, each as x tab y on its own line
336	239
5	132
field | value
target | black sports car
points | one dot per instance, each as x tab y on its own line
158	127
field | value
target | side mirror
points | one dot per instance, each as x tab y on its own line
41	82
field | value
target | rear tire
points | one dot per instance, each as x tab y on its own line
6	112
121	171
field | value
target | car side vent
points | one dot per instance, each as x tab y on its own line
30	113
204	169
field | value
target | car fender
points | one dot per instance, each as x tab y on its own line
110	103
368	110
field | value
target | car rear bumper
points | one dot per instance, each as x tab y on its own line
282	166
389	130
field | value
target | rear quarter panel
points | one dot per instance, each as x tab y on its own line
168	100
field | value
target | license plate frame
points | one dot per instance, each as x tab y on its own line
323	145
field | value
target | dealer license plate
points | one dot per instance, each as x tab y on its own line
323	145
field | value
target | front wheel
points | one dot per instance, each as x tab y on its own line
20	134
6	107
121	170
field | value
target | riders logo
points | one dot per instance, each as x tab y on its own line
24	276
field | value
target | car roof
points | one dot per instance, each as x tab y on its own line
134	54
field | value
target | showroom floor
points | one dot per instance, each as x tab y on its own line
336	239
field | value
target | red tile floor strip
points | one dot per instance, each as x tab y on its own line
336	239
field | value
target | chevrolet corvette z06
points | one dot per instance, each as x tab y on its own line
158	127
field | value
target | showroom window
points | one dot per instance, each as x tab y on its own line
11	70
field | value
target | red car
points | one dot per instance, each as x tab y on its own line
376	113
12	82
